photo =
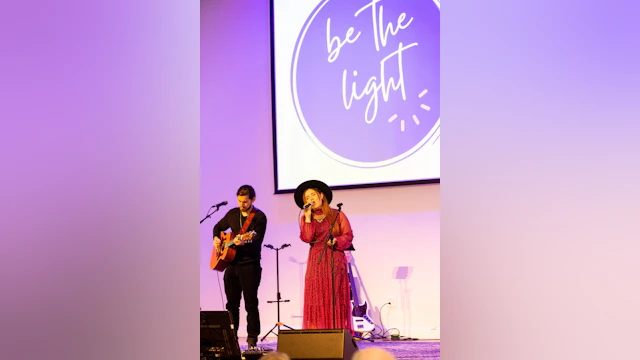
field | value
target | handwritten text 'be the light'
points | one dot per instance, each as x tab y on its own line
375	84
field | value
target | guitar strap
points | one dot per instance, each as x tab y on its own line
248	221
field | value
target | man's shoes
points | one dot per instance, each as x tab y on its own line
251	343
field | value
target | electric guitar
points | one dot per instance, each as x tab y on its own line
222	256
360	317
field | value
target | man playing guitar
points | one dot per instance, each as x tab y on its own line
243	273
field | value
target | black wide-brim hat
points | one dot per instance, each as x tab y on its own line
312	184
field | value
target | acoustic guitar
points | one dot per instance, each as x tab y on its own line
223	255
360	317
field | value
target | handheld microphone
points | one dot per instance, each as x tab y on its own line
306	206
221	204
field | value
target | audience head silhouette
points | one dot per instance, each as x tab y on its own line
373	353
274	355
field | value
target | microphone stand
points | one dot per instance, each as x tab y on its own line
279	299
209	214
333	287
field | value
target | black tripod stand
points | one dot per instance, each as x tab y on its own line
279	300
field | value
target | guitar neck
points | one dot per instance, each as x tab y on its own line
354	292
229	241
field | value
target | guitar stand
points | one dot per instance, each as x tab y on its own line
279	299
369	339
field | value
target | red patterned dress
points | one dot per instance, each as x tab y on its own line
318	310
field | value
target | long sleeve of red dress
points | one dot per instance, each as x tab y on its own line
319	313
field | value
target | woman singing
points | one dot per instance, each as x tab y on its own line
319	313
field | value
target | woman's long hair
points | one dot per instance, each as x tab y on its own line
328	212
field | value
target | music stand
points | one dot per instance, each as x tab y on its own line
218	339
278	298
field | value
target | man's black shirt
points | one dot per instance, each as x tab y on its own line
250	252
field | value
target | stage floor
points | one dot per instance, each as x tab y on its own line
401	349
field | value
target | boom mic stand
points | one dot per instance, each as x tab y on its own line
279	299
326	243
216	210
